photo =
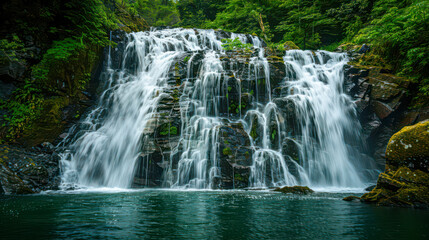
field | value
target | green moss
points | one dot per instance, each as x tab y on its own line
168	129
273	134
227	151
289	45
411	142
236	45
254	131
247	155
402	187
238	177
176	95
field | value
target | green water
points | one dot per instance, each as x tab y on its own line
204	215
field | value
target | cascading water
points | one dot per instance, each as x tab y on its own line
198	164
325	115
105	150
105	147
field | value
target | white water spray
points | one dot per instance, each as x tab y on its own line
105	146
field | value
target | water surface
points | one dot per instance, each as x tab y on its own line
171	214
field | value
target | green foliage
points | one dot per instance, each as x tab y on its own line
399	34
198	13
254	131
23	108
235	45
168	129
331	47
243	17
156	12
70	33
9	48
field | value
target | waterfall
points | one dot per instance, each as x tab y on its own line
326	115
299	130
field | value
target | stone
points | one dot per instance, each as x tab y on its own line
365	48
403	187
10	183
382	110
25	171
302	190
405	182
410	147
351	199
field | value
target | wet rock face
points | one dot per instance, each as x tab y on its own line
235	156
381	100
23	171
405	181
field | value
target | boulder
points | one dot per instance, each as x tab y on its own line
302	190
405	181
410	147
351	199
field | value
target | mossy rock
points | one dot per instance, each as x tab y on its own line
351	199
48	125
302	190
403	187
289	45
348	47
405	181
409	147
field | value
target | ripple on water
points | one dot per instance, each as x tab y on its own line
201	215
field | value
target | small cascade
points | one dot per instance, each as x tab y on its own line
179	111
326	118
198	165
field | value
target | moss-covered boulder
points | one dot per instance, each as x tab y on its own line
302	190
289	45
351	199
405	181
410	147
